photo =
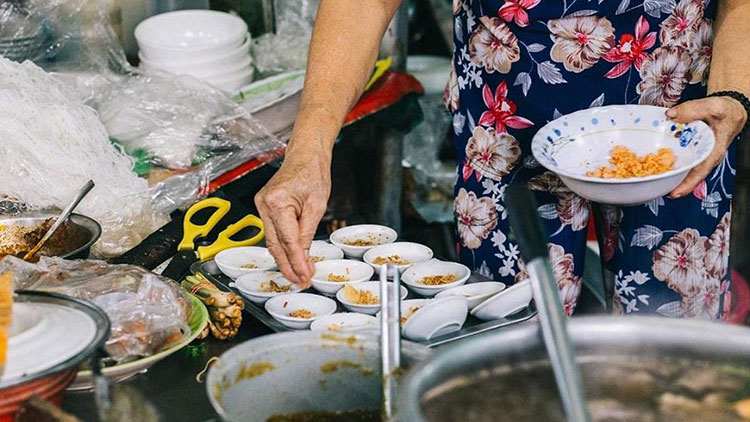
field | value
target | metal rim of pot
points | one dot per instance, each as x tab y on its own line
590	334
94	312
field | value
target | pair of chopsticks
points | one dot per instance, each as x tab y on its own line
390	335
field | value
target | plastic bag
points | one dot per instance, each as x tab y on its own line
147	313
180	133
286	49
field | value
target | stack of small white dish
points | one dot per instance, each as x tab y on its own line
209	45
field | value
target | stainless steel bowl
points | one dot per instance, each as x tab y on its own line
73	241
644	338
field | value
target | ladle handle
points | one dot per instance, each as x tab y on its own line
532	243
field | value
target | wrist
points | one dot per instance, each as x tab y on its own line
740	103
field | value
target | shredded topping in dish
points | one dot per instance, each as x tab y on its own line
361	242
437	280
390	259
628	164
409	313
334	327
270	286
250	266
360	297
301	313
339	277
315	259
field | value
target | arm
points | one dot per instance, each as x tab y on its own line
344	47
729	72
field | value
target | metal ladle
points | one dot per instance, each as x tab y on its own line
60	220
532	243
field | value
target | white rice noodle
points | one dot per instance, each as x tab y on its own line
51	143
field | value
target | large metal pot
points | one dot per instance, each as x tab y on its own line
652	338
300	371
73	240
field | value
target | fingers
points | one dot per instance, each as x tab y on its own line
288	234
698	174
706	109
274	247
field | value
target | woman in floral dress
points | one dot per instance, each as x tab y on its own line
518	64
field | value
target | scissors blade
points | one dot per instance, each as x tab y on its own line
179	266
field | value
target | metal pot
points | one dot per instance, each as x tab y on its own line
300	371
653	338
72	241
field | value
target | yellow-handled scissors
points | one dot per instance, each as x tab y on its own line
187	253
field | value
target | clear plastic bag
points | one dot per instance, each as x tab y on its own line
179	132
147	313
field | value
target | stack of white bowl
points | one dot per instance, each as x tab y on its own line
209	45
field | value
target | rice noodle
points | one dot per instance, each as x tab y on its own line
51	143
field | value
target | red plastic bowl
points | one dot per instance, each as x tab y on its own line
49	388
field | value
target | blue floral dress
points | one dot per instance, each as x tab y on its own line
518	64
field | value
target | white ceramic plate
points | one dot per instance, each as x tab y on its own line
344	321
416	273
230	261
249	285
475	293
378	235
189	33
434	318
374	288
43	335
577	143
412	252
356	271
279	308
507	302
324	251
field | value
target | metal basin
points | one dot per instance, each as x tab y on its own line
72	241
646	339
300	371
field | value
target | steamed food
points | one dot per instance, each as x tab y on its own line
628	164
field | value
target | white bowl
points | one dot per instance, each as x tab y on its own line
412	252
344	321
233	82
279	308
356	270
577	143
475	293
249	285
324	251
187	34
230	261
374	288
226	59
380	235
507	302
205	71
413	276
436	317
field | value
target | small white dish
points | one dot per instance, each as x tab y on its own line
324	251
231	261
577	143
475	293
356	271
233	82
434	318
507	302
413	253
250	285
189	33
377	235
344	321
414	275
280	307
374	288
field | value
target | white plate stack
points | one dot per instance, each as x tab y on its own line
209	45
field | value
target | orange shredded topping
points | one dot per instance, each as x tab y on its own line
270	286
437	280
391	259
301	313
360	297
339	277
628	164
408	315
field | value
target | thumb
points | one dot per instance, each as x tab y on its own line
687	112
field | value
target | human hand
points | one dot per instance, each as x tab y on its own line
291	206
726	117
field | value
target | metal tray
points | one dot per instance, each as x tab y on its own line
471	327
